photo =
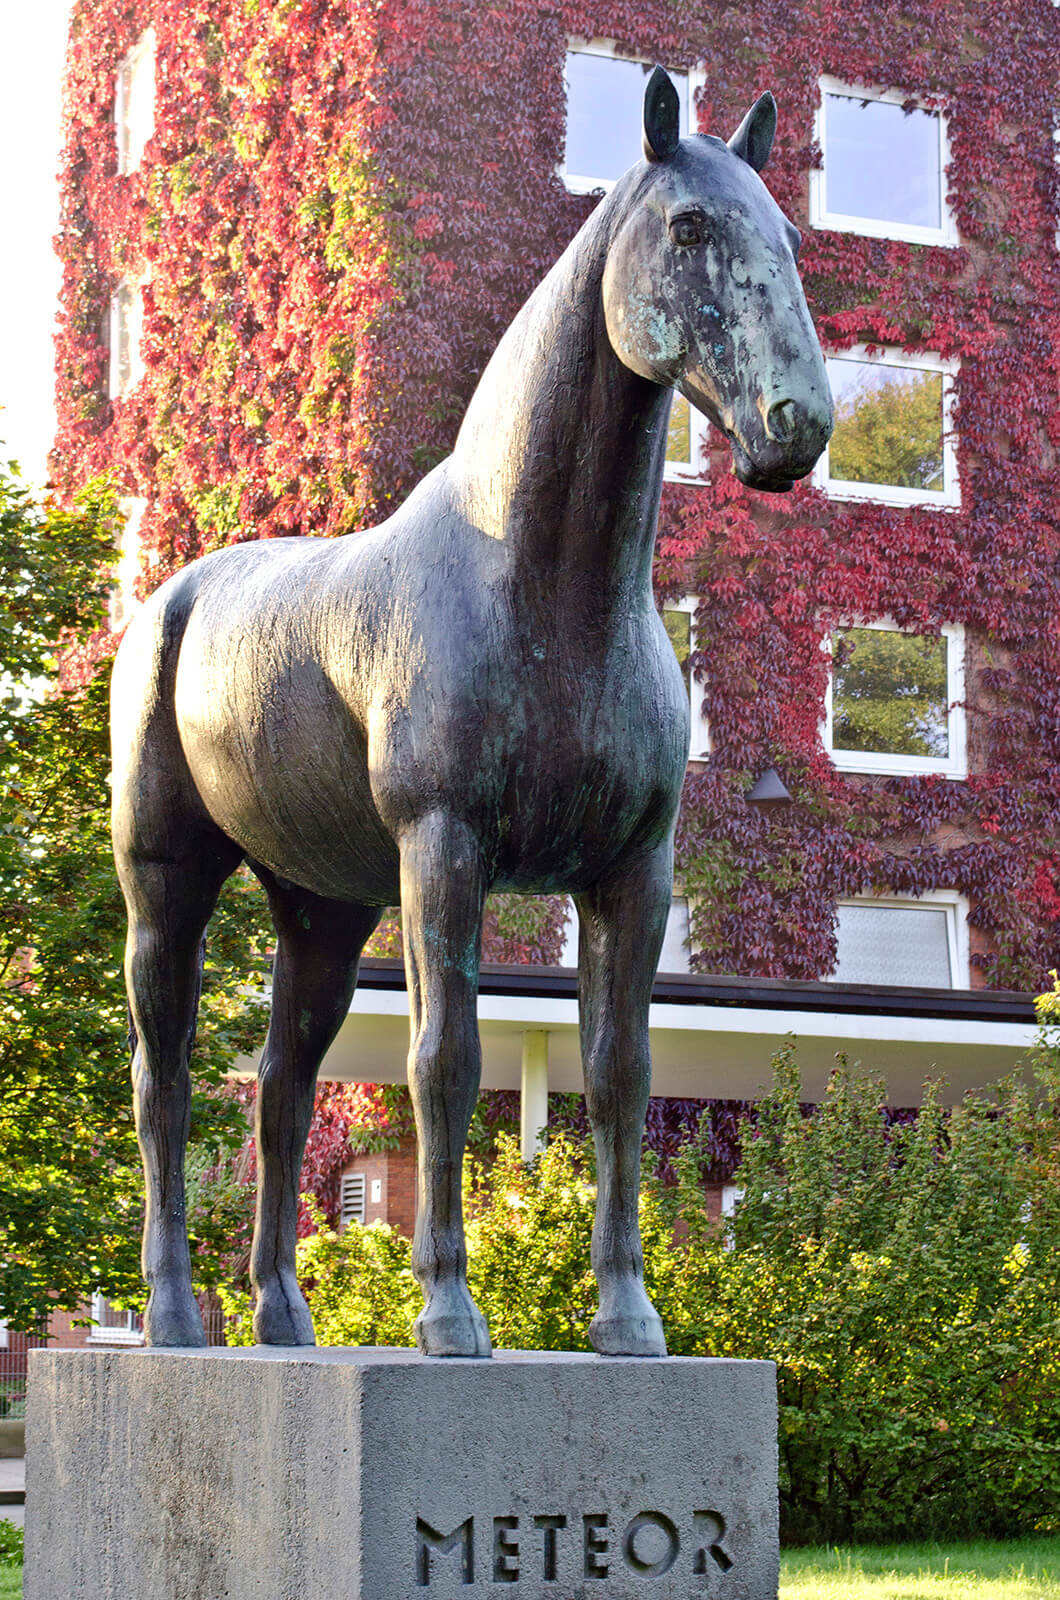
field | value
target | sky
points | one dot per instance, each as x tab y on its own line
30	82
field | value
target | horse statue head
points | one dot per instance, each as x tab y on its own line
702	291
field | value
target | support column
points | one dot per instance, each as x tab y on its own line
533	1095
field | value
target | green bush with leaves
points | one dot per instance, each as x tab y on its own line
907	1283
359	1283
906	1280
528	1234
12	1544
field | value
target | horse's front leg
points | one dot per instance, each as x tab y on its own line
443	886
622	922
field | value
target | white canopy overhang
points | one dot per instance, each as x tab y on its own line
710	1037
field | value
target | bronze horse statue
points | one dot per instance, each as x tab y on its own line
478	694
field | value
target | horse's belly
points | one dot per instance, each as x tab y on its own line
287	779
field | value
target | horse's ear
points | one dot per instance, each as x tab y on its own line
753	139
662	118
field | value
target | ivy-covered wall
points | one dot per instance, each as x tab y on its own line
342	206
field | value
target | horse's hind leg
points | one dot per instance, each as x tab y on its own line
169	897
318	946
443	890
622	923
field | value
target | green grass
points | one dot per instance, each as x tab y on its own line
10	1583
1026	1569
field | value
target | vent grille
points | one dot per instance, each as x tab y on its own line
352	1198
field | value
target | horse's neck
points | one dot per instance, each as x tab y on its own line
561	452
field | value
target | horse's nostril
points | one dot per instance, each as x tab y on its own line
782	420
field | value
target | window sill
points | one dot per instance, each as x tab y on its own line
900	232
882	494
576	185
882	766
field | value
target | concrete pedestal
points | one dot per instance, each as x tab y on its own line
350	1474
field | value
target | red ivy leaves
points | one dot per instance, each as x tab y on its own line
344	203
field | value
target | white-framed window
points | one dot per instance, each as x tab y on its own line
113	1326
126	366
686	443
893	440
883	167
352	1197
679	616
731	1195
674	956
134	102
895	700
918	942
677	940
605	111
123	601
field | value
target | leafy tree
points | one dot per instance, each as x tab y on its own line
889	692
890	432
70	1182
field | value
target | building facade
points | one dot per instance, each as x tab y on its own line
293	233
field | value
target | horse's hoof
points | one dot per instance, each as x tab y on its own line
627	1324
452	1325
281	1315
172	1320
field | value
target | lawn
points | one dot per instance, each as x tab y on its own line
1026	1569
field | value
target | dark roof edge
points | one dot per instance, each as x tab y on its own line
768	994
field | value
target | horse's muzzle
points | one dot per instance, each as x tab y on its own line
786	449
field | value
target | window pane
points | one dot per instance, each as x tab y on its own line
126	335
893	944
605	110
679	438
674	956
888	425
890	693
679	627
112	1320
881	163
136	102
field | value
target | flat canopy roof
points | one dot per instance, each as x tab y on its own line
710	1036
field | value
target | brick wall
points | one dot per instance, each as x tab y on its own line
389	1186
64	1336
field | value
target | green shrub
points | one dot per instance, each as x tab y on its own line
11	1543
360	1284
907	1283
529	1230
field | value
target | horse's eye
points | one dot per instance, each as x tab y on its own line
686	231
